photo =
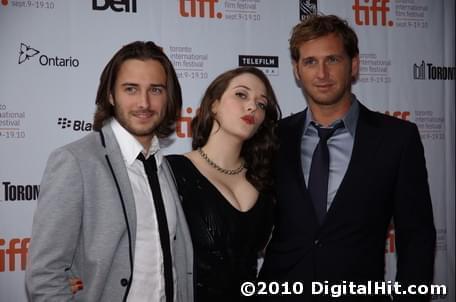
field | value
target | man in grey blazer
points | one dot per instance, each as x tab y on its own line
97	218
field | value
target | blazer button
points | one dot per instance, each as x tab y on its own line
317	243
124	282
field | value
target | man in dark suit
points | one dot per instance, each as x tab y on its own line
342	173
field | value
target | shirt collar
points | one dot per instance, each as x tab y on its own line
350	119
130	147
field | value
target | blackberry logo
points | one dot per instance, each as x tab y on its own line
76	125
307	8
64	122
26	52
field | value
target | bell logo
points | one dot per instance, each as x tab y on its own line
15	247
187	8
116	5
368	14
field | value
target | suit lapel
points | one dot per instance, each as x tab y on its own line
290	154
367	139
293	148
115	157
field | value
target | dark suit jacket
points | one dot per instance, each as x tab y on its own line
386	178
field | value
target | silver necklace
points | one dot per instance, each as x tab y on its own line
217	167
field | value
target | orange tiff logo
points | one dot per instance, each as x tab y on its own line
403	115
188	8
183	124
16	247
368	14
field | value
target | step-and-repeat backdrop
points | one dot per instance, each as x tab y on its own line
52	53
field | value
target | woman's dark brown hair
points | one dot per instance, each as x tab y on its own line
259	150
140	51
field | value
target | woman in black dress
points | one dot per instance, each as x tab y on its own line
225	182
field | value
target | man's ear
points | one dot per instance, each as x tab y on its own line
355	67
111	99
296	70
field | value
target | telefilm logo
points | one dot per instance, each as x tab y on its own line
372	13
119	6
269	64
15	192
9	250
75	125
26	52
429	71
307	8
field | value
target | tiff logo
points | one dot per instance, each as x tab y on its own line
368	14
15	247
183	125
115	5
5	2
188	8
403	115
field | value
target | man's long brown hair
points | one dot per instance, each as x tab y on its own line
140	51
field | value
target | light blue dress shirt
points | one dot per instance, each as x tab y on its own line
340	146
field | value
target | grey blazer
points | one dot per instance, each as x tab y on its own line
82	227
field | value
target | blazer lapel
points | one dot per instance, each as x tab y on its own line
292	146
291	164
367	139
117	162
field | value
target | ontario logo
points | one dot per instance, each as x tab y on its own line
307	8
75	125
429	71
27	52
269	64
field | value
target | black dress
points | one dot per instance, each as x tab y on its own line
226	241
